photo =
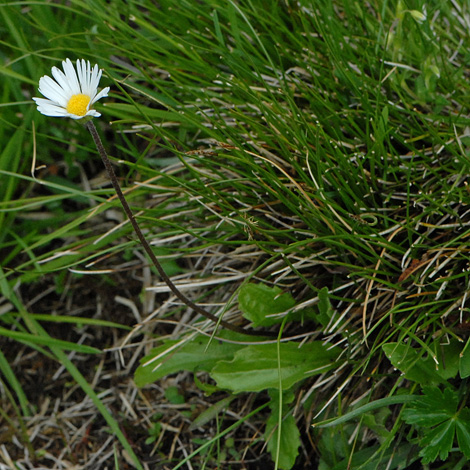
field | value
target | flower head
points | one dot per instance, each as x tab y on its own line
72	93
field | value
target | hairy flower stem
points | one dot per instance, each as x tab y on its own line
112	176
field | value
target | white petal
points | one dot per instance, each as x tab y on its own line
50	89
81	72
71	75
102	94
93	113
94	80
43	102
90	85
48	109
82	76
61	79
78	68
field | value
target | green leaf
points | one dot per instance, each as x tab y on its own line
362	410
372	458
464	363
439	418
324	307
463	432
289	440
258	302
437	442
211	412
173	395
415	367
255	368
432	408
192	355
448	356
377	422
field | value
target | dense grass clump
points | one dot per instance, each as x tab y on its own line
300	170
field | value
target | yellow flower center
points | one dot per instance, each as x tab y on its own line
77	104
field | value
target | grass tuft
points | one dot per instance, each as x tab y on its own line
301	164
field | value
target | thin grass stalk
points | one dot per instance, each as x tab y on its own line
112	176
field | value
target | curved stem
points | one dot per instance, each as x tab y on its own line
112	176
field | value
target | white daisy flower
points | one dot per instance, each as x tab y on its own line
73	93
